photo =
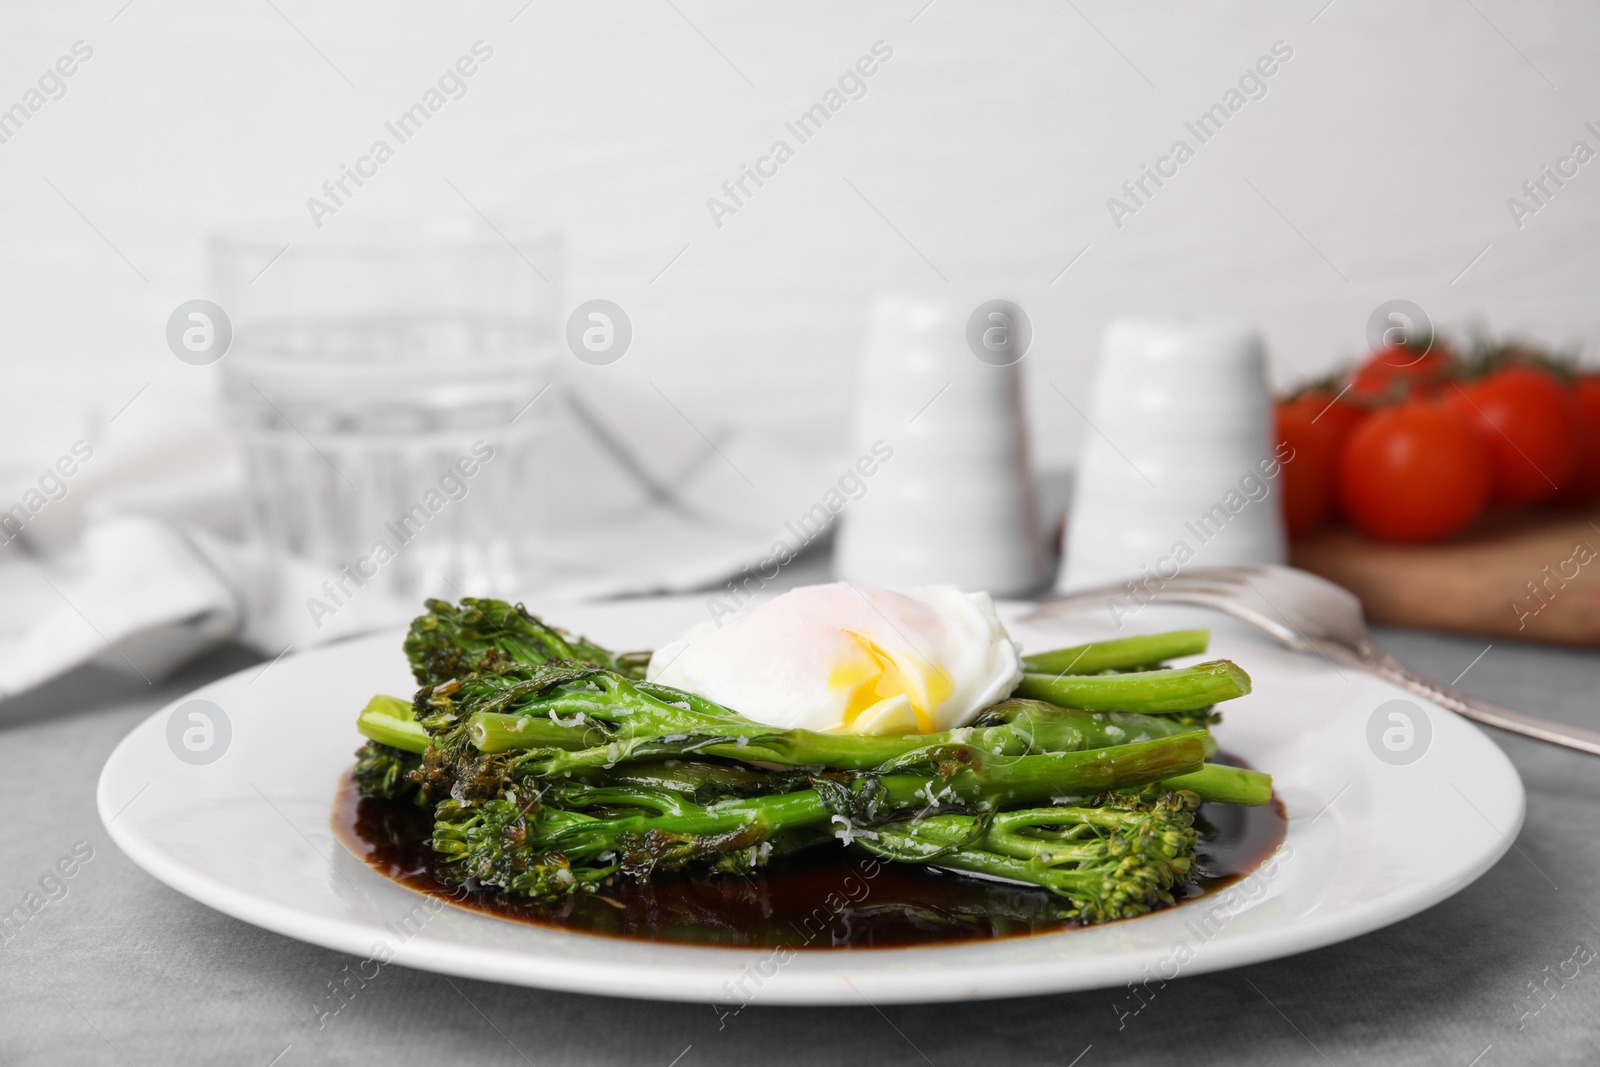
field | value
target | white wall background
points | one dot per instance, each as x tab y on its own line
991	141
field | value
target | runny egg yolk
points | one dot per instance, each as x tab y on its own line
884	688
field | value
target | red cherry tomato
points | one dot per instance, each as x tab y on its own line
1530	422
1418	471
1583	486
1397	373
1326	407
1309	466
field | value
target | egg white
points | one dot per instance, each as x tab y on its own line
850	658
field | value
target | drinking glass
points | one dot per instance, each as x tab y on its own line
380	386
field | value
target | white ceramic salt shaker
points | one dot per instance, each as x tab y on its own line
1179	467
956	501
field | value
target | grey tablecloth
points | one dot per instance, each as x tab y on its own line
123	970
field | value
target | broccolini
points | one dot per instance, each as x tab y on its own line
553	767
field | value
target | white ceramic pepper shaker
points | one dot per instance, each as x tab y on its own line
956	503
1179	466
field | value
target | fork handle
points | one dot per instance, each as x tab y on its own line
1387	667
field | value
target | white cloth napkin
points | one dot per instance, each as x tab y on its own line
133	596
664	506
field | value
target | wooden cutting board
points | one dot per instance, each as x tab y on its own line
1525	577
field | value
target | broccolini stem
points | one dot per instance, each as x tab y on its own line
1179	689
1145	650
1100	729
695	778
494	732
394	707
1006	783
1226	785
497	732
1024	727
404	734
1009	782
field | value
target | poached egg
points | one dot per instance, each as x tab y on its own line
848	658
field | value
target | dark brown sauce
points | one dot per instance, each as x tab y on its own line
826	897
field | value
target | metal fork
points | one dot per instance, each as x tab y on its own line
1310	614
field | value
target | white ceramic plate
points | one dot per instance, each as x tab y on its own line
1368	843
